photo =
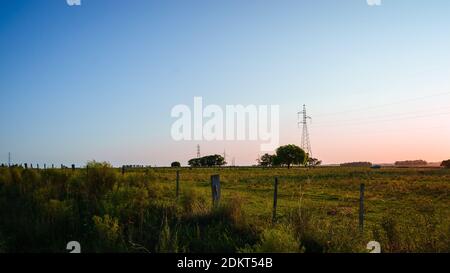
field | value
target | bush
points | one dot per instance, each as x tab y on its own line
109	233
175	164
280	239
445	163
100	179
194	203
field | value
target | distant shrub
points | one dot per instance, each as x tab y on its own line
175	164
313	162
356	164
96	164
445	163
411	163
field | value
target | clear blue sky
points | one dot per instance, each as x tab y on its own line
98	81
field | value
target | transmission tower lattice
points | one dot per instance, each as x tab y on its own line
306	144
198	151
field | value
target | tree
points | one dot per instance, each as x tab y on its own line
266	160
445	163
175	164
291	155
207	161
195	162
313	162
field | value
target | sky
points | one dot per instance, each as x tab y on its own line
99	80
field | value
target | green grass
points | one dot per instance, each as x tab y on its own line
406	210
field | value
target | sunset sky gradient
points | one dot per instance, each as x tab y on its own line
98	81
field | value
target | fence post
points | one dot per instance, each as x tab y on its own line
73	167
178	183
361	207
123	169
275	200
215	188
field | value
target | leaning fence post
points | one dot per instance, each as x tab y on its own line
275	200
361	207
215	187
178	182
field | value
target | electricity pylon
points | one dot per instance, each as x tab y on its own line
306	144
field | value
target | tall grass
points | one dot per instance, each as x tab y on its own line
407	210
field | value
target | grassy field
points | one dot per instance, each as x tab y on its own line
406	210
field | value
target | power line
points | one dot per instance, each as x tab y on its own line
386	120
375	117
382	105
367	132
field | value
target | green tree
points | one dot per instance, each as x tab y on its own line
445	163
313	162
291	155
194	162
266	160
207	161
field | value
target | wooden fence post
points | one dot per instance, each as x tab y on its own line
215	188
178	183
361	207
123	169
275	200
